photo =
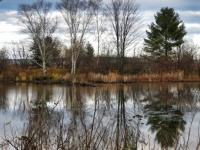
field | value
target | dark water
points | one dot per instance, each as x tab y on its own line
148	116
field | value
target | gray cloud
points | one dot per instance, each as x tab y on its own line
13	4
190	16
9	16
176	4
192	28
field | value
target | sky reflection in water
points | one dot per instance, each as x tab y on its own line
119	104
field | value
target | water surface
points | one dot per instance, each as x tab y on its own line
153	115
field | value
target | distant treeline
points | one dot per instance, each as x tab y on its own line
188	64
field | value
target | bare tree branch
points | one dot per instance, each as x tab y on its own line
38	23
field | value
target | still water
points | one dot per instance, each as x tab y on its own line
133	116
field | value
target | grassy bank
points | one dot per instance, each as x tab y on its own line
63	76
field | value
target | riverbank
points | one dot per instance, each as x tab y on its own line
62	76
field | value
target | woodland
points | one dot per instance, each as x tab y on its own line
112	56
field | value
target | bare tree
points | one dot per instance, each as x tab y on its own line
20	54
39	24
100	24
125	19
78	15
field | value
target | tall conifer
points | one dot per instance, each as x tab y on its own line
166	33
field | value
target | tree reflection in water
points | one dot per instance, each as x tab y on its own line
125	132
165	120
104	123
102	117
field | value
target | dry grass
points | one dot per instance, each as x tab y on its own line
110	78
62	75
66	76
100	78
117	78
193	77
174	76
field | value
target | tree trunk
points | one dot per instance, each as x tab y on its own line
73	69
44	68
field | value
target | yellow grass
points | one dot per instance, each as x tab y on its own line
66	76
58	75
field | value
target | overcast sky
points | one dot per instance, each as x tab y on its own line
189	11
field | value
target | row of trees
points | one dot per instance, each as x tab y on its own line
116	21
82	17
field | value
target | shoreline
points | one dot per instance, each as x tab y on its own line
62	76
93	84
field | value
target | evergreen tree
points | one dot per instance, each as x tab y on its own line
89	50
52	52
35	57
166	33
4	62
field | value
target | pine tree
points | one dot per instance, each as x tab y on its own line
35	57
89	50
166	33
52	52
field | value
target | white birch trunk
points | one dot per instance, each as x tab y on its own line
44	69
73	68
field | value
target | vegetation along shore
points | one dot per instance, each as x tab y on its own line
113	57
